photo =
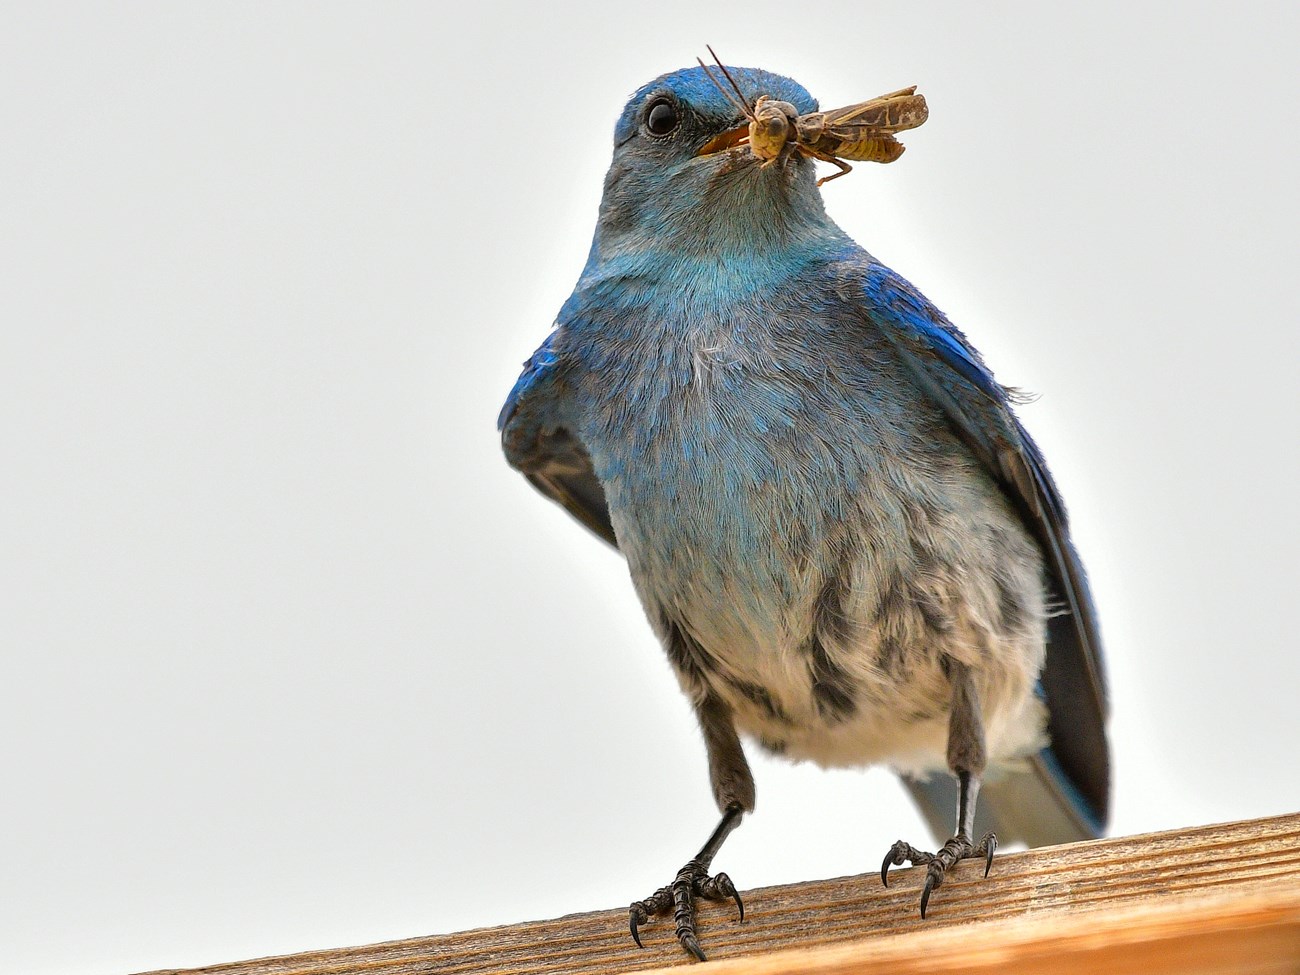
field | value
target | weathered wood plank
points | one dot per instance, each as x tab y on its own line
1235	934
1214	896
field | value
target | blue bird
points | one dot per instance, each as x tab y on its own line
850	548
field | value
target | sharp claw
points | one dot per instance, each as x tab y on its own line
690	943
679	899
726	888
988	857
884	868
925	893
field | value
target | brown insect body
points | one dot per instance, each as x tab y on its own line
863	132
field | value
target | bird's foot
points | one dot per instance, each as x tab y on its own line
679	899
938	864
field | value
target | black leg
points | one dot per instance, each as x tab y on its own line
733	787
966	758
692	881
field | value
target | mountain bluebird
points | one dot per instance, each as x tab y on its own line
850	548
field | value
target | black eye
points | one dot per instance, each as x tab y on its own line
662	117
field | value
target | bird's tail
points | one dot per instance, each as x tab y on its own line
1034	804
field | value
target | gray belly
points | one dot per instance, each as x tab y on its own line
816	552
824	602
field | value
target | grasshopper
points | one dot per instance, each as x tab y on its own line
863	132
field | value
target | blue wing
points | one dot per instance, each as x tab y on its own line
538	442
1065	794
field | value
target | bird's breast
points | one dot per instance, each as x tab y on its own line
731	454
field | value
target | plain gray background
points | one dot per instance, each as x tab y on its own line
291	659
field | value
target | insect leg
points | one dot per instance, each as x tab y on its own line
845	168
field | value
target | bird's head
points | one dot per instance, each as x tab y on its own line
690	115
683	171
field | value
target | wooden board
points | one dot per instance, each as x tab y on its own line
1210	899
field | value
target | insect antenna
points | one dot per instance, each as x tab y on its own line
738	99
749	110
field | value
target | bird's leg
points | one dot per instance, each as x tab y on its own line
692	881
966	758
733	788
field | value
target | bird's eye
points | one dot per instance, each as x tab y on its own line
662	117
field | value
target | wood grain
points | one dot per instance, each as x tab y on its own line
1211	899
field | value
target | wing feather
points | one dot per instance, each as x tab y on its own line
539	443
952	373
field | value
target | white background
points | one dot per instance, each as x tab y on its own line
291	659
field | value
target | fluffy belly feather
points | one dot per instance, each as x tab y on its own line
816	558
827	614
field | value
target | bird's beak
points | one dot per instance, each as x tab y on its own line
727	140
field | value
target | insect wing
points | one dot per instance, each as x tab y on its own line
895	112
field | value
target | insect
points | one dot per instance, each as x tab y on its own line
863	132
